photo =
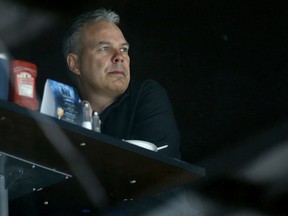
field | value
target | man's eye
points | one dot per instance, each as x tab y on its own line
104	49
124	49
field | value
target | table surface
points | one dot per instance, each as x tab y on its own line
104	170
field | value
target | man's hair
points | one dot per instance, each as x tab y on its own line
71	41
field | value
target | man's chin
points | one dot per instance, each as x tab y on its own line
120	84
118	87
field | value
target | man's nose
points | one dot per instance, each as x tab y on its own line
117	57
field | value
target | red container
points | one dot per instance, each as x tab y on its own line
23	84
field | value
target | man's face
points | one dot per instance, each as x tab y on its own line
104	63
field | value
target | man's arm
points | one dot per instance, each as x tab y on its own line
155	121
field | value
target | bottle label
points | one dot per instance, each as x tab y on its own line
25	84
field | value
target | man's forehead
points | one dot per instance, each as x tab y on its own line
104	33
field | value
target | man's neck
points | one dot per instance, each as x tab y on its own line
99	103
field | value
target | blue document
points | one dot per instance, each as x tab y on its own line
61	101
4	76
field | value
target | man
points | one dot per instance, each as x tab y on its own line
97	55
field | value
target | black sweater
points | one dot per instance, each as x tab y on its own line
143	112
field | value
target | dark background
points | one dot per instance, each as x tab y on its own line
223	63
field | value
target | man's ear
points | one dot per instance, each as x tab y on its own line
72	62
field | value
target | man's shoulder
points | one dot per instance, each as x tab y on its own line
147	84
147	89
